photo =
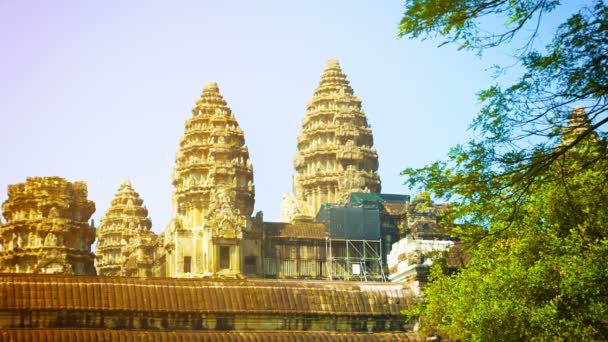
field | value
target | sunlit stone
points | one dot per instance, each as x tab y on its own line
214	194
335	149
46	229
123	232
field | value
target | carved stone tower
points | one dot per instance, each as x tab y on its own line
578	123
125	227
335	148
214	194
46	229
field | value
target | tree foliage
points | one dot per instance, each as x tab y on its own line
529	192
459	20
535	273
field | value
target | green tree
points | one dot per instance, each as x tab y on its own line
523	122
537	272
530	192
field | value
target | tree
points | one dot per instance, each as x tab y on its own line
536	272
523	122
529	191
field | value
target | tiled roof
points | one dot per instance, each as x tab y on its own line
35	335
264	296
298	230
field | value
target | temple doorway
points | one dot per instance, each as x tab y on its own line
224	257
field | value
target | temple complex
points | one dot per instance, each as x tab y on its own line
46	229
335	149
349	241
125	244
214	195
326	263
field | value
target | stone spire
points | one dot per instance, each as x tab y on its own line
578	123
46	229
214	194
125	226
335	146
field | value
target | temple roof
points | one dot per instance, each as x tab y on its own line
35	335
296	230
254	296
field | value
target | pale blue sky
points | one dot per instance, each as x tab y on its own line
100	91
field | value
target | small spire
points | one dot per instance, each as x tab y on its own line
578	120
578	123
125	185
578	115
333	80
211	86
332	63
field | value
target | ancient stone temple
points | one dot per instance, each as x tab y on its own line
46	229
578	123
125	242
214	194
335	149
336	231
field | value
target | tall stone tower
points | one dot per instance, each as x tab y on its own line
578	123
124	228
214	194
46	229
335	148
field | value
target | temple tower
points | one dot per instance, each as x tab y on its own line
46	229
335	148
124	229
578	123
214	194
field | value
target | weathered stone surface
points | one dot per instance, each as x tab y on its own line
125	243
423	216
335	148
578	124
214	193
46	229
409	258
295	250
423	239
36	335
118	303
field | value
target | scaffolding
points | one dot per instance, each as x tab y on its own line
354	260
353	244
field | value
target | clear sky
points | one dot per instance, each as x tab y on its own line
99	90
